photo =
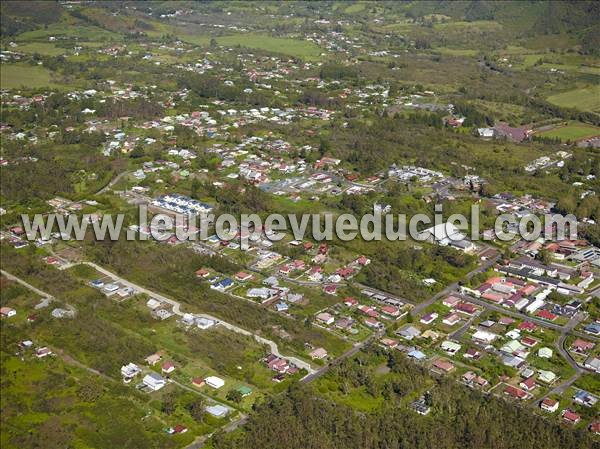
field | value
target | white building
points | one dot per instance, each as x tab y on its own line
129	371
154	381
214	382
204	323
450	347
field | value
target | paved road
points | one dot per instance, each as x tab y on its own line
26	284
522	316
560	346
108	186
419	308
357	347
177	310
456	335
199	442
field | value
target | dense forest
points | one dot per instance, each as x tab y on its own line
302	418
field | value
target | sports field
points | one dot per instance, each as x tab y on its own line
572	131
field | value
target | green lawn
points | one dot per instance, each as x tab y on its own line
573	131
585	98
17	75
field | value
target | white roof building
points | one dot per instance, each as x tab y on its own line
154	381
130	370
484	336
214	382
153	303
204	323
450	347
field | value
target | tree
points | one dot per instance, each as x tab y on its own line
235	396
137	152
197	409
544	256
169	405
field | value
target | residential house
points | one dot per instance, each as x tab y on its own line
582	346
592	363
549	405
429	318
547	377
443	365
318	353
242	276
217	410
350	302
391	311
570	416
325	318
451	301
153	359
42	352
583	397
515	393
528	384
214	382
451	319
129	371
450	347
408	333
168	367
7	312
154	381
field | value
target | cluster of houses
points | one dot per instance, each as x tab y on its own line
407	173
28	347
113	288
544	162
570	416
280	366
511	342
353	312
182	204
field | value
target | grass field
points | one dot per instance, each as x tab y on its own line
43	48
14	76
70	29
357	7
585	98
573	131
292	47
457	51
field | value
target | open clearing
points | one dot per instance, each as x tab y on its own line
585	98
17	75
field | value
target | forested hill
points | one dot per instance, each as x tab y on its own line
578	19
524	18
461	419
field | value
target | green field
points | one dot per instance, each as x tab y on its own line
14	76
585	98
70	30
292	47
357	7
572	131
43	48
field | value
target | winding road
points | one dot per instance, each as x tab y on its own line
177	310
